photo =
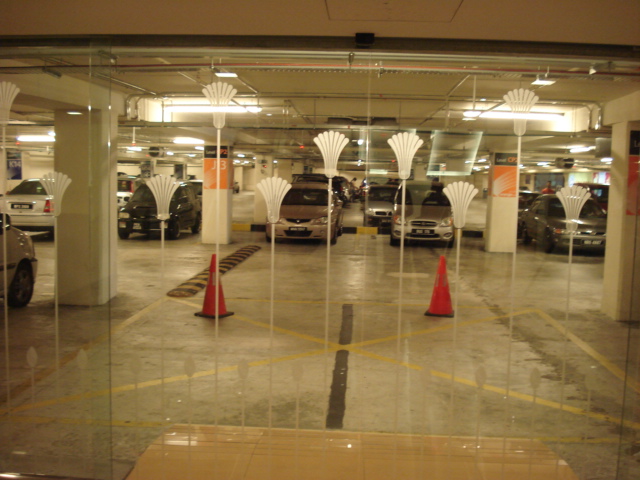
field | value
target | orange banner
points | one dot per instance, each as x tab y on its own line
505	180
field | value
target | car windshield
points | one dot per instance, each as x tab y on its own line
30	187
306	197
424	195
382	194
590	210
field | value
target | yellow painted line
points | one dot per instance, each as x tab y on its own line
585	347
82	421
241	227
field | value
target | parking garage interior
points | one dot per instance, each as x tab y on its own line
330	362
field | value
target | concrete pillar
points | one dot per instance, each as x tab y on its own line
216	199
238	176
502	206
285	170
620	299
86	235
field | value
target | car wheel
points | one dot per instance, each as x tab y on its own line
21	288
394	242
173	232
546	242
123	234
526	238
267	237
195	228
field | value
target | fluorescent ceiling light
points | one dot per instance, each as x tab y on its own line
543	81
581	149
211	109
169	152
606	159
36	138
188	141
74	112
134	149
226	74
543	164
500	114
199	148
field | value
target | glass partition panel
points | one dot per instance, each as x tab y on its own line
56	410
379	315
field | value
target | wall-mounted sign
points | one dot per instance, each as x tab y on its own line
211	169
14	165
506	159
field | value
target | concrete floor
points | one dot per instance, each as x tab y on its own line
148	362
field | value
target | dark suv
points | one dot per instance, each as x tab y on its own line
139	215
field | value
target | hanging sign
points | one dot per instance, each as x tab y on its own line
211	169
633	203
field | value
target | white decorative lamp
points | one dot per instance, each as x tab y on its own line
331	144
460	195
162	187
520	101
55	184
219	95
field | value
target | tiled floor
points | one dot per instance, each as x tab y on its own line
205	452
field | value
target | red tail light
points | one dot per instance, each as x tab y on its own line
47	207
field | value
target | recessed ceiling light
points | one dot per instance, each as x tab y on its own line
226	74
188	141
36	138
74	112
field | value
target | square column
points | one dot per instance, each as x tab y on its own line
86	232
621	284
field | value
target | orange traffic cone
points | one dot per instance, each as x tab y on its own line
441	299
213	296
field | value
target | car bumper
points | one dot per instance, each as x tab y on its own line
317	232
378	221
424	234
582	242
32	222
139	226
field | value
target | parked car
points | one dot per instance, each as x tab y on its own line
304	214
139	215
378	205
340	185
599	192
22	265
428	216
30	207
545	221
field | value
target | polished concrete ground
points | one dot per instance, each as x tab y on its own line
351	340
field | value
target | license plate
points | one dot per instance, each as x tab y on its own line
22	206
422	231
592	242
298	229
137	226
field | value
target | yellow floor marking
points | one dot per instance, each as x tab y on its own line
355	348
83	421
585	347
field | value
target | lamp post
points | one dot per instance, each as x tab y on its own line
219	95
331	144
8	93
56	183
404	145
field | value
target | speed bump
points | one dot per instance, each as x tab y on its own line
199	281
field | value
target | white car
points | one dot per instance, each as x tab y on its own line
428	217
22	265
30	207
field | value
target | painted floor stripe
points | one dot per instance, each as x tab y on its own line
338	393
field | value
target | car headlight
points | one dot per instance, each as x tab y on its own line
397	219
123	215
446	222
319	221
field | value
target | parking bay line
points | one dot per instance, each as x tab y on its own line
335	347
